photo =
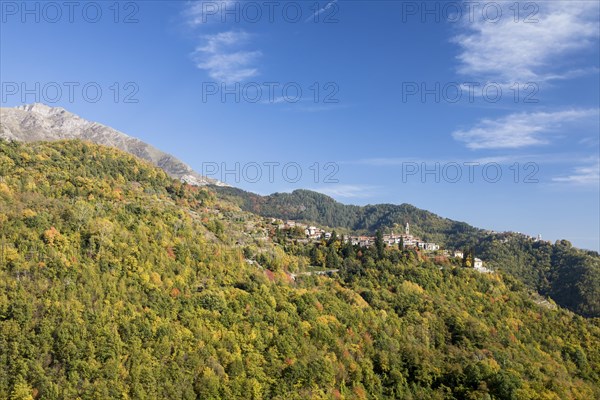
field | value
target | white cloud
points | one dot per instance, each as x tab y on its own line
202	12
509	51
384	161
347	191
321	11
592	141
519	129
219	54
588	175
214	43
316	108
276	100
224	55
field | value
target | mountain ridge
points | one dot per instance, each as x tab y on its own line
40	122
311	206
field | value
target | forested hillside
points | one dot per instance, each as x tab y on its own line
315	207
569	275
117	282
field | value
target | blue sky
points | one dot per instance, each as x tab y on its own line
379	114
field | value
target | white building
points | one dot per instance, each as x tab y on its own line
391	240
409	241
428	246
365	241
311	231
478	266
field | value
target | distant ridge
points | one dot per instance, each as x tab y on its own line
310	206
40	122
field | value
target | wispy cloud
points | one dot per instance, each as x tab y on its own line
520	129
518	51
586	175
276	100
202	12
540	158
221	57
224	55
347	191
383	161
321	11
304	104
591	141
504	159
317	108
214	43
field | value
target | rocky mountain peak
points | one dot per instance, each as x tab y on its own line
41	108
40	122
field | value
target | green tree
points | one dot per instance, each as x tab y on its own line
468	258
379	245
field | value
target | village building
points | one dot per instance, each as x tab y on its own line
407	240
428	246
478	266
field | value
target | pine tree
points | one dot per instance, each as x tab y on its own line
332	239
379	245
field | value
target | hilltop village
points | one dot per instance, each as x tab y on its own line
405	241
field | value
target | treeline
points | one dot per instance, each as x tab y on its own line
118	282
570	276
306	205
335	253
